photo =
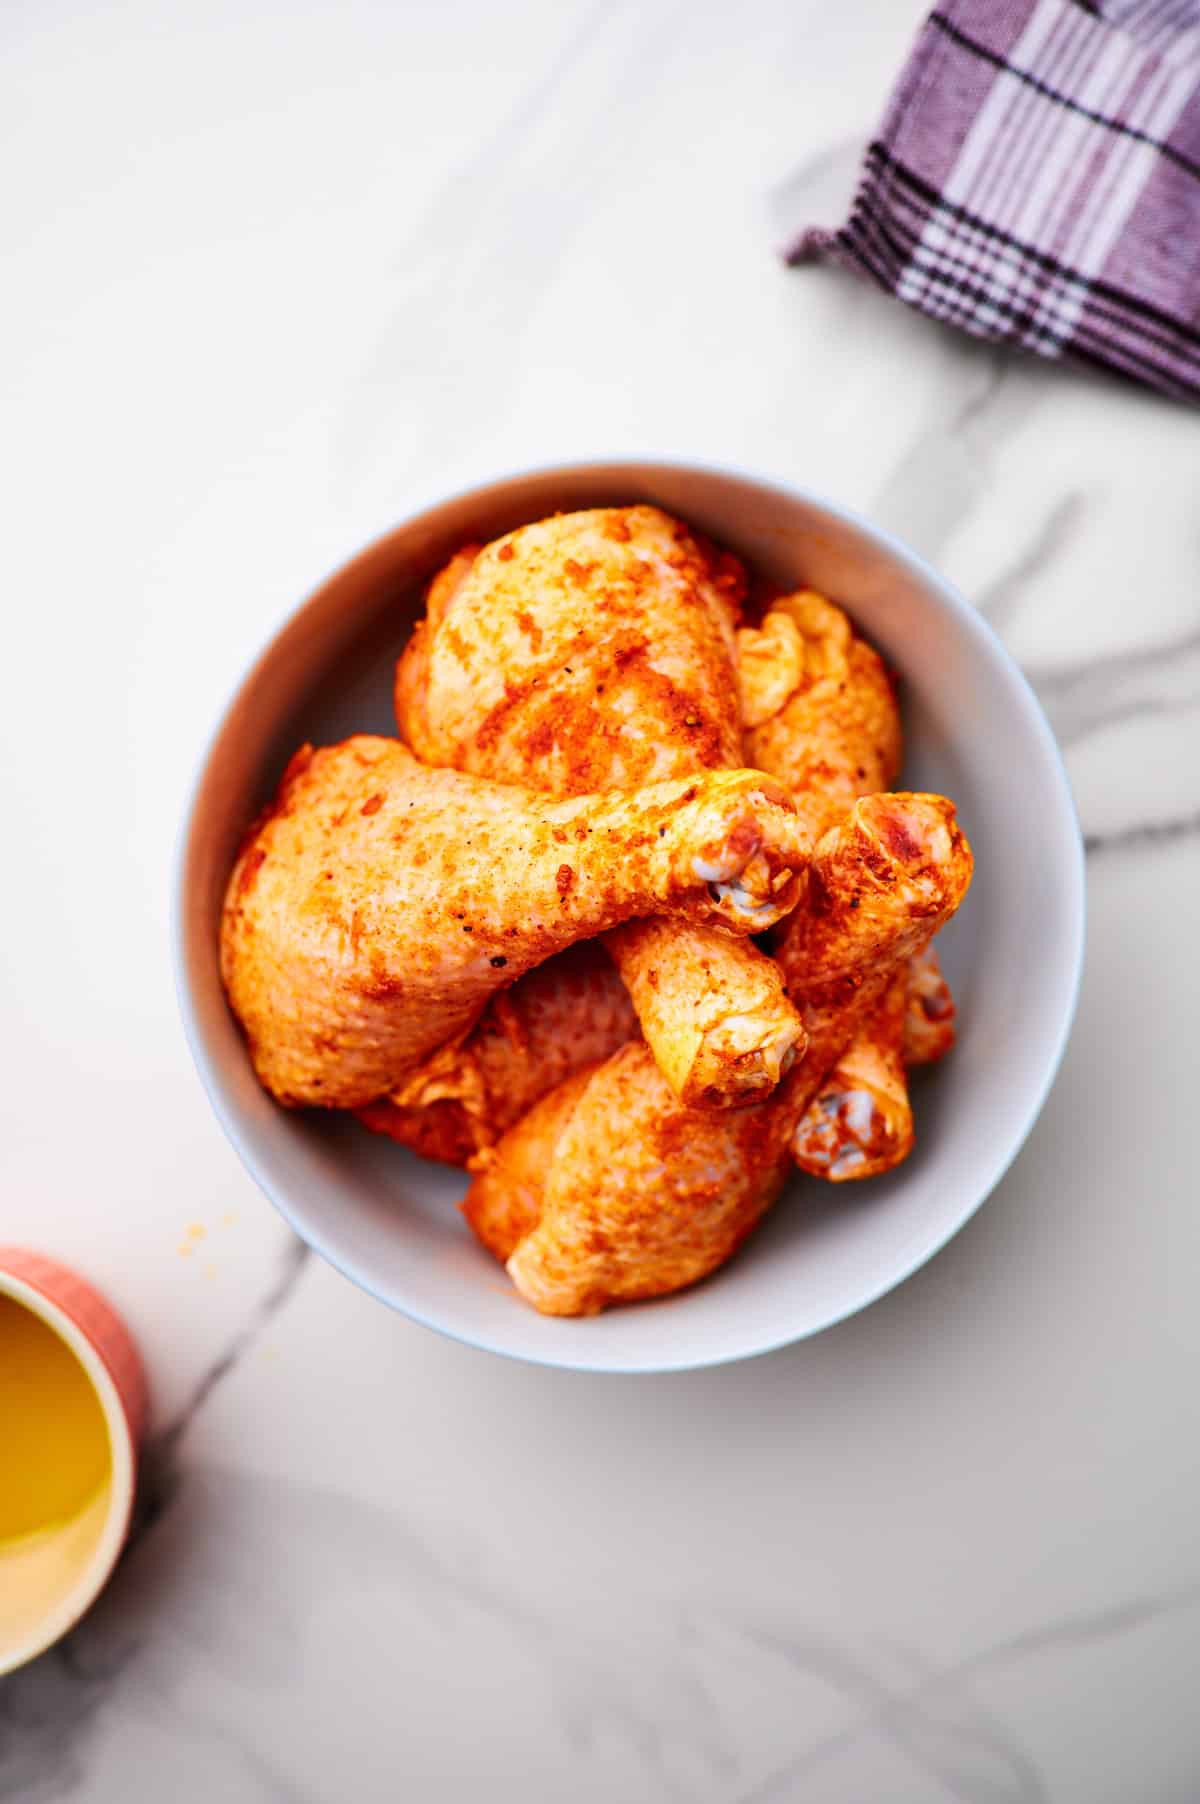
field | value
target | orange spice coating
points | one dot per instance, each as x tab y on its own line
819	713
818	708
611	1189
860	1122
842	1009
379	905
714	1011
568	1013
929	1022
590	650
621	1191
880	886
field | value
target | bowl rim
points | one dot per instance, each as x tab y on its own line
977	627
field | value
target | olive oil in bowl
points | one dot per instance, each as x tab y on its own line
56	1471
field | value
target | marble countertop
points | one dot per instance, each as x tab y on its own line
273	272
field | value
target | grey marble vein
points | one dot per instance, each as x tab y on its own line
941	1731
932	1717
1070	1632
1084	695
159	1473
1000	598
942	475
226	1580
1145	833
220	1597
663	1707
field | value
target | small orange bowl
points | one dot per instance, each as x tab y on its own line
52	1571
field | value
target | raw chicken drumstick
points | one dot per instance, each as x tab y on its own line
929	1015
860	1121
574	1010
610	1189
818	708
570	1012
589	646
591	651
882	884
819	713
379	905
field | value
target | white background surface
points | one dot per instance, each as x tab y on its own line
273	275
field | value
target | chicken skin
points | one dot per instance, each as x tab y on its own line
379	905
610	1189
881	885
929	1020
590	651
594	648
714	1011
575	1010
571	1012
819	713
818	708
860	1121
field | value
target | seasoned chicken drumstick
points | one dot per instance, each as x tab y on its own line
590	651
819	713
610	1189
860	1122
882	884
574	1010
589	646
818	708
379	905
570	1012
929	1014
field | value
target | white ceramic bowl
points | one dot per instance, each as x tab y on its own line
974	731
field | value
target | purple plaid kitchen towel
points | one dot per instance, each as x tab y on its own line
1036	179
